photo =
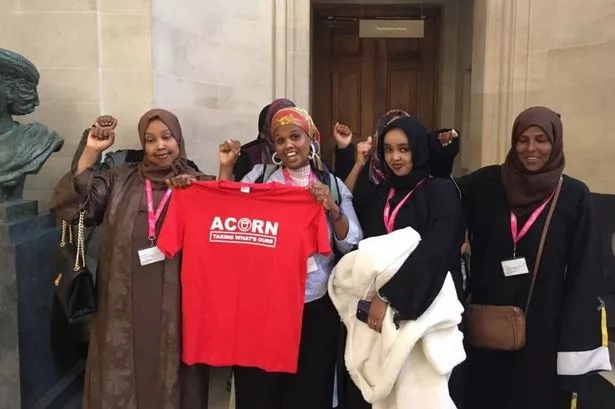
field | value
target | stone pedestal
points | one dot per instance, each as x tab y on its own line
33	356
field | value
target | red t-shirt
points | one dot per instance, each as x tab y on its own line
244	266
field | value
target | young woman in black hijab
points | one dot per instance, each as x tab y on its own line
409	197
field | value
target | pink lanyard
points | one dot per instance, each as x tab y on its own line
518	235
288	181
389	219
152	217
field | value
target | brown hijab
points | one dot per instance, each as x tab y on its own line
525	190
159	174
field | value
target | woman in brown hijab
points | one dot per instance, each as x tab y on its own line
506	208
134	354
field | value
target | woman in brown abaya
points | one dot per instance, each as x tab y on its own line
134	356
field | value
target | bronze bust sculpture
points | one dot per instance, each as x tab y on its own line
24	148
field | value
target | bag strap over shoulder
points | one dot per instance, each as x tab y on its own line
268	171
334	188
543	237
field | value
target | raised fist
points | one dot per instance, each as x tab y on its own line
364	149
102	133
229	152
342	135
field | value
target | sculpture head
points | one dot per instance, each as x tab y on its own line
18	81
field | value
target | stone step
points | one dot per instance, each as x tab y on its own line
16	231
18	210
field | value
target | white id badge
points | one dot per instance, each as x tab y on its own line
311	265
150	255
515	267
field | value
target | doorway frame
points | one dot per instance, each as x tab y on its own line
371	11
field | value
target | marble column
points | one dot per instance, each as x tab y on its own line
291	50
499	77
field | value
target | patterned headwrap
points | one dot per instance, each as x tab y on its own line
376	171
299	117
260	153
274	107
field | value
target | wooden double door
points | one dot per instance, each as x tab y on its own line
355	80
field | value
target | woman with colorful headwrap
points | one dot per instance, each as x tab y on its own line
506	208
296	143
259	151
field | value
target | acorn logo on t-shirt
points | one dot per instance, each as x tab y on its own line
244	231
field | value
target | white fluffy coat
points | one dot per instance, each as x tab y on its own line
405	368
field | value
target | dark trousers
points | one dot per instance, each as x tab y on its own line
312	386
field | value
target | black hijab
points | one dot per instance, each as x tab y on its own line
419	146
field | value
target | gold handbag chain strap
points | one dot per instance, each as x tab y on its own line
67	232
80	243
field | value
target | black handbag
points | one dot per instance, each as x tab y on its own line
74	284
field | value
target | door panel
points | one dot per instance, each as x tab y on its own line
404	89
346	98
355	80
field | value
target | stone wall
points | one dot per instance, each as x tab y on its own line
216	63
93	56
570	68
212	65
465	17
547	52
455	74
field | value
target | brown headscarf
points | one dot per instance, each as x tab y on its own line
159	174
525	190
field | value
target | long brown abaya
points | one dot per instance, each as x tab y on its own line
134	356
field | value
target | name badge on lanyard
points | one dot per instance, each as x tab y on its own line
152	254
518	265
388	217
